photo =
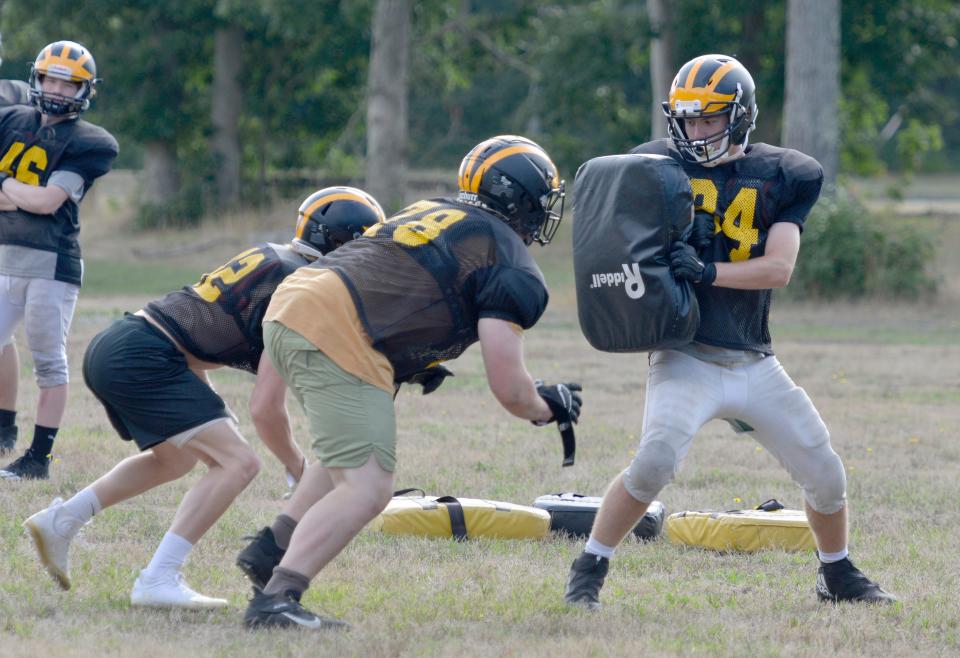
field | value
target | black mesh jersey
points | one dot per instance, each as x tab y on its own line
218	319
30	152
768	184
422	280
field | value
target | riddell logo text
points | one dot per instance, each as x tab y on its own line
630	279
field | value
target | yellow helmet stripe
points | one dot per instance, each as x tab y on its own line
688	83
477	176
470	161
719	74
339	196
75	66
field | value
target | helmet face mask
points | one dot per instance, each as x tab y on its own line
333	216
711	86
63	60
515	178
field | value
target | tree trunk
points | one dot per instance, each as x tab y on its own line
661	63
161	180
227	99
811	105
387	103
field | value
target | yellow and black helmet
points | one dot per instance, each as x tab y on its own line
711	86
66	60
332	216
515	178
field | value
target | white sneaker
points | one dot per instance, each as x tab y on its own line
171	592
52	547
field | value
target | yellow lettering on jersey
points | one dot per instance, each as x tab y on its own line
737	217
15	149
34	156
409	211
427	228
738	223
227	275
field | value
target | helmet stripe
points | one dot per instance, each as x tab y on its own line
477	176
692	75
719	74
470	161
340	196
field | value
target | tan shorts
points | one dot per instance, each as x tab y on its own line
349	418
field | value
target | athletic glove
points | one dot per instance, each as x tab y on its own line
685	265
702	231
564	401
430	377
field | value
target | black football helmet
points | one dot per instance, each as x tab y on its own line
332	216
516	179
66	60
710	86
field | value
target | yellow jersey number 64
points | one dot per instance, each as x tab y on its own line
737	218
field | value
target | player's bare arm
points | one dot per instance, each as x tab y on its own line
269	414
771	270
502	345
38	199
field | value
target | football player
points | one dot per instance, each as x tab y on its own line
49	158
12	92
149	370
387	308
751	203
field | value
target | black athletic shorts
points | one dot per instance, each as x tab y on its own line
143	382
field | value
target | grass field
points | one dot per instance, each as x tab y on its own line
884	377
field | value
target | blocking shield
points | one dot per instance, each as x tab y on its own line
628	209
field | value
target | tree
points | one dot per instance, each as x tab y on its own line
661	63
225	114
812	106
387	102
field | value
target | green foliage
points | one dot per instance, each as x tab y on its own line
849	252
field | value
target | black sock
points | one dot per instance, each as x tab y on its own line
287	580
8	418
283	527
43	438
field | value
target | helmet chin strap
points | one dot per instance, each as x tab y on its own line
735	152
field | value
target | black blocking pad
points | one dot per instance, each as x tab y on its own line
628	210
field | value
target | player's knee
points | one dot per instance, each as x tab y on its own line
653	468
247	464
50	369
826	489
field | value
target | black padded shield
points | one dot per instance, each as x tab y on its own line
574	513
627	211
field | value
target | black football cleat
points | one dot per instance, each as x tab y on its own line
260	556
841	581
27	467
283	610
585	580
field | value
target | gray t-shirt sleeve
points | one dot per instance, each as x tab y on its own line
69	182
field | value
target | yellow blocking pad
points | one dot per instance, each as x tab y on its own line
742	530
426	517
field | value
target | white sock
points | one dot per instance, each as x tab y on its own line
827	558
170	556
79	510
596	548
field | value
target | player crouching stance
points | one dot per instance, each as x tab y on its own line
421	288
751	205
149	370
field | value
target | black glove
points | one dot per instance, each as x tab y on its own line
430	377
702	231
685	265
564	401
